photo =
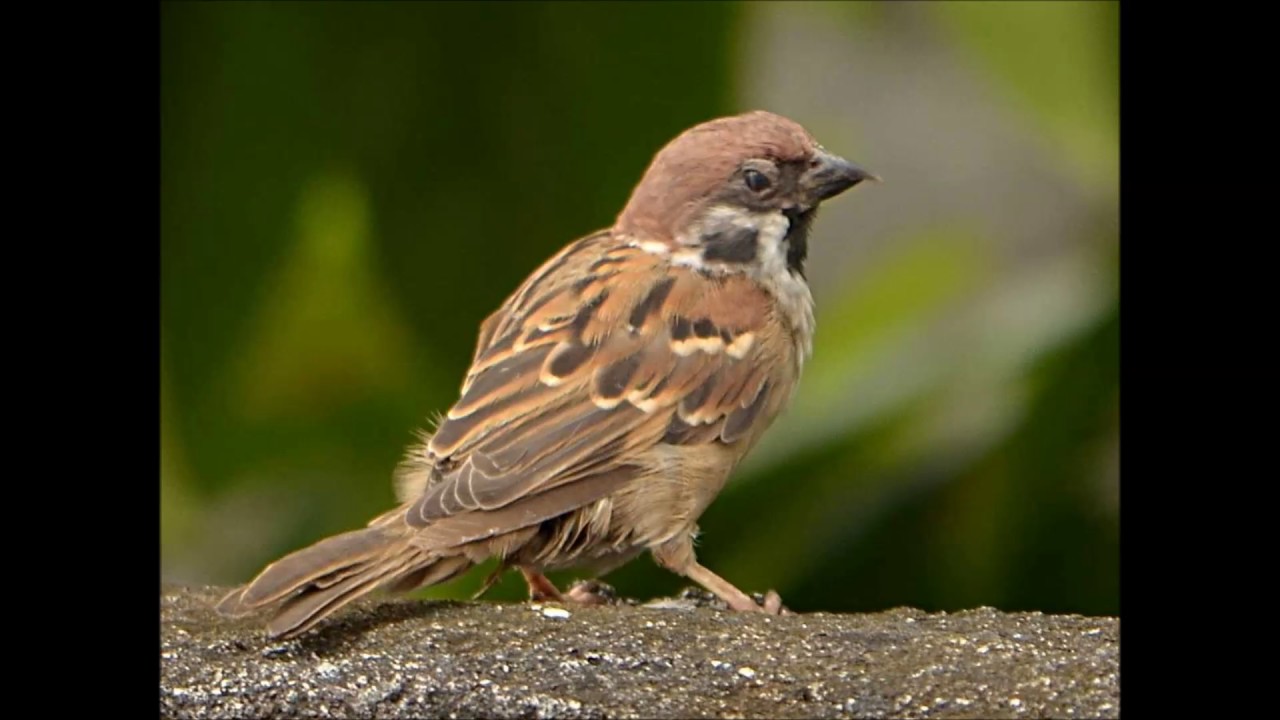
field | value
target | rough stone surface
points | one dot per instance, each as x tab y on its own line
404	658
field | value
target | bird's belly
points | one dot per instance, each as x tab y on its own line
668	499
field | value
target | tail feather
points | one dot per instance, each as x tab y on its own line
284	576
444	569
300	612
318	580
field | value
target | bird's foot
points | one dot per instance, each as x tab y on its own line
769	603
592	592
582	592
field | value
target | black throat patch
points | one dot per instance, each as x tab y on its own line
735	245
798	239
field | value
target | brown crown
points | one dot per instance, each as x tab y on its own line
699	160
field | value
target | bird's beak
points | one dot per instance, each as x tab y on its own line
829	175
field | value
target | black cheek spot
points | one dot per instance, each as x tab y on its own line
735	246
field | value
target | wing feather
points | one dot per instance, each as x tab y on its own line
605	351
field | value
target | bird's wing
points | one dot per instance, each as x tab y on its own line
604	352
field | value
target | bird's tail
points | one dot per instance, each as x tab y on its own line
312	583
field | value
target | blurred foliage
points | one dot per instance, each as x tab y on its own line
347	189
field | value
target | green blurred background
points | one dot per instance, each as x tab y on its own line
348	189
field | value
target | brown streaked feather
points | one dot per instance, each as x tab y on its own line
543	282
577	374
473	526
547	458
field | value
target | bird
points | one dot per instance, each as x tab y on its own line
610	397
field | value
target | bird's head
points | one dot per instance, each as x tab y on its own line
736	192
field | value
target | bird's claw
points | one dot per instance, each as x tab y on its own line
591	592
771	604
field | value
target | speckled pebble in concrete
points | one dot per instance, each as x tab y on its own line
403	658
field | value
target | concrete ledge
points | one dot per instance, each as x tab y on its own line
403	658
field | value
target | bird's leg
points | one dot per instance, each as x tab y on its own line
540	588
583	592
490	581
678	557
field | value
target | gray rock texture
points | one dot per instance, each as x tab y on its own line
679	658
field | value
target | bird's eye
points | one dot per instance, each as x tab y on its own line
755	180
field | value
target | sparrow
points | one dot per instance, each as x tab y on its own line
612	395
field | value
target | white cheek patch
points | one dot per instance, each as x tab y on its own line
719	218
771	237
768	229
